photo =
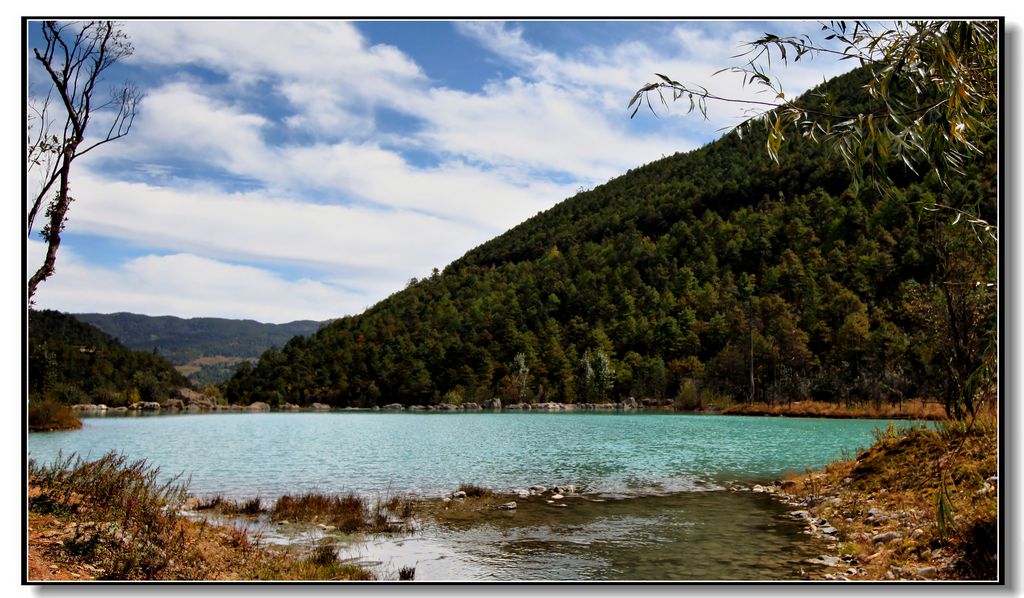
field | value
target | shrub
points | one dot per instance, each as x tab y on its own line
473	490
46	415
127	519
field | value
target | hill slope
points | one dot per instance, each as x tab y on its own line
706	275
73	362
207	350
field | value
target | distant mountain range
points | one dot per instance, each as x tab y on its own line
206	350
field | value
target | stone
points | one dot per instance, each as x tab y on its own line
557	496
800	514
470	407
829	530
566	489
917	533
258	406
759	488
927	572
886	537
173	405
320	407
494	404
521	492
509	506
459	495
393	407
538	489
827	560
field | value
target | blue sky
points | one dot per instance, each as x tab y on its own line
283	170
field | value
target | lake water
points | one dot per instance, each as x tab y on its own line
656	503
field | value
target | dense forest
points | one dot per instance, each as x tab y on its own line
72	362
717	274
207	350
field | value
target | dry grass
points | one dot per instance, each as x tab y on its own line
933	487
916	409
474	491
112	519
349	513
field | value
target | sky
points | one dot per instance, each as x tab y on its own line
306	169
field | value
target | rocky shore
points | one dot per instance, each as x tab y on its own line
877	514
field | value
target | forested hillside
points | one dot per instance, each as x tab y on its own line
207	350
73	362
715	273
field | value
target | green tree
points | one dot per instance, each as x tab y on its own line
933	85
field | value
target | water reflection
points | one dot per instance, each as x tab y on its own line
686	536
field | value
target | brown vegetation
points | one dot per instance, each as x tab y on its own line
474	491
916	409
47	415
919	504
110	519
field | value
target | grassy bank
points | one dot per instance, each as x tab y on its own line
110	519
919	504
917	409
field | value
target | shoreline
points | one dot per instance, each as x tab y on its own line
915	410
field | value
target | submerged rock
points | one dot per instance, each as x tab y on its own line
827	560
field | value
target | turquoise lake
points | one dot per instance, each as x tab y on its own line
430	454
657	501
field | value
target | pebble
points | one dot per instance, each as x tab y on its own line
886	537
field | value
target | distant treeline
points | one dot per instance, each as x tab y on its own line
72	362
182	340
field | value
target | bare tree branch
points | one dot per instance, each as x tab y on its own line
75	57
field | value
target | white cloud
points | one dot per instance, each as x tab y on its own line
612	74
342	199
254	226
188	285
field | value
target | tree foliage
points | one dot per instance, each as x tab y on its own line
717	271
72	362
933	87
